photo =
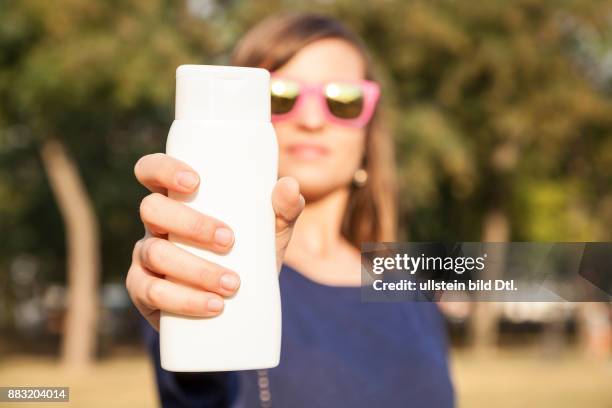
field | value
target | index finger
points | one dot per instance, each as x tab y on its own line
159	172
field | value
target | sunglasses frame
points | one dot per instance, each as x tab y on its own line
371	94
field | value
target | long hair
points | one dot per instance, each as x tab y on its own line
371	213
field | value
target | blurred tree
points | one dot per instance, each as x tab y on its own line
87	83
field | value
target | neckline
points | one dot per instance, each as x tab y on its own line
320	284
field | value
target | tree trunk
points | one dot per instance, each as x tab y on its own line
82	243
483	327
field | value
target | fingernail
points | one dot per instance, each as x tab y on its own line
187	179
229	282
215	305
223	236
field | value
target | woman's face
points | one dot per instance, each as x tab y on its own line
322	156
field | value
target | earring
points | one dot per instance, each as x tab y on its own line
360	177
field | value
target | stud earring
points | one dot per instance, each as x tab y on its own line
360	177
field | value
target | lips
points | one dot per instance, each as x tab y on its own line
307	151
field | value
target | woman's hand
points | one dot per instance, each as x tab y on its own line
155	258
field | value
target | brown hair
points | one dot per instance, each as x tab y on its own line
371	213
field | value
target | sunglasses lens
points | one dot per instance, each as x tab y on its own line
284	94
344	101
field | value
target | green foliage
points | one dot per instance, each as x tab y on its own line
100	76
496	102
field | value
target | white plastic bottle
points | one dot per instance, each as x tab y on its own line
222	129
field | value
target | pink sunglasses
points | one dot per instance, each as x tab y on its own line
348	103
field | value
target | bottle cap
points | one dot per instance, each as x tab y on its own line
212	92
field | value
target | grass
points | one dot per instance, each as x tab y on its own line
125	381
527	379
504	379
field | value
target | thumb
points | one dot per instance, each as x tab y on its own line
288	204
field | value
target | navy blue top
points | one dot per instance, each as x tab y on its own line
337	351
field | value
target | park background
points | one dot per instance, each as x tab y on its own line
502	116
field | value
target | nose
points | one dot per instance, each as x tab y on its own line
311	115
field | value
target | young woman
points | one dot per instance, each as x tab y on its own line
336	173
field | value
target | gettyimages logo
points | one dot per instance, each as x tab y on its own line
411	264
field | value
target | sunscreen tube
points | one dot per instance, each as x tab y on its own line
222	129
